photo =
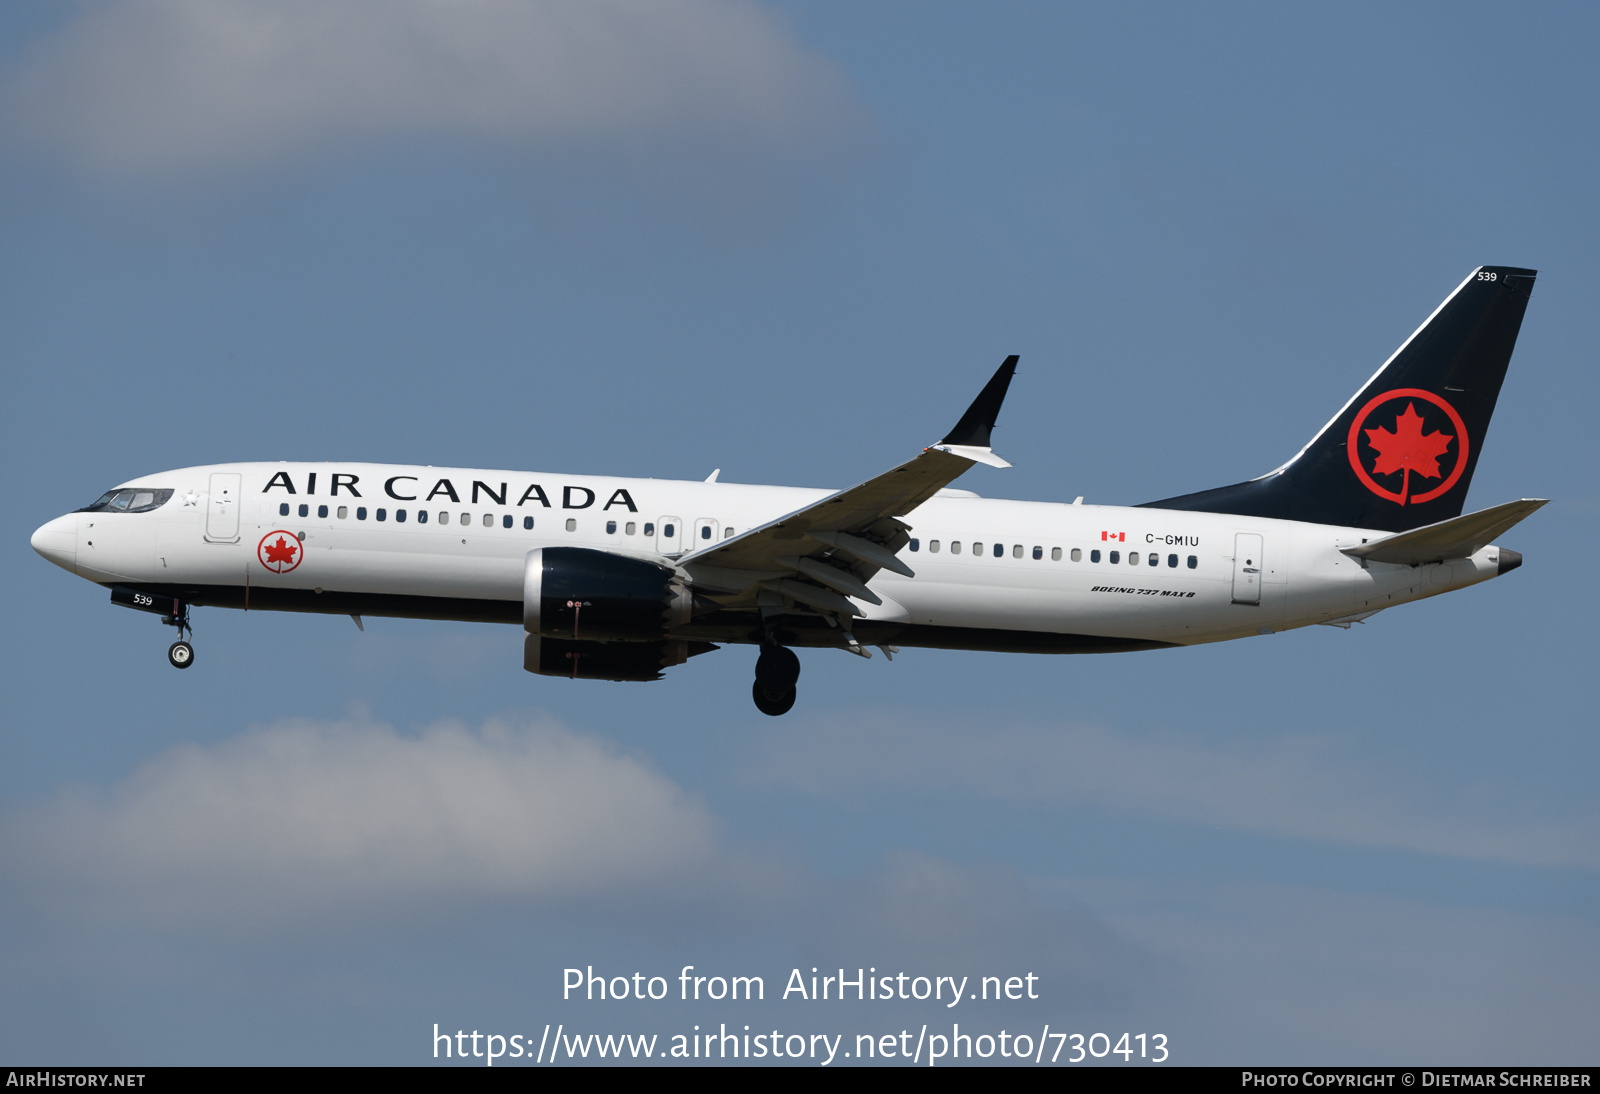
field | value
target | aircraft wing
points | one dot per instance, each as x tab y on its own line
1458	537
821	555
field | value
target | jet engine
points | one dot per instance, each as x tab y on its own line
585	595
606	660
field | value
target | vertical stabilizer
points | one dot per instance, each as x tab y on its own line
1400	454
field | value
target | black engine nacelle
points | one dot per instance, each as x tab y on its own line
580	594
606	660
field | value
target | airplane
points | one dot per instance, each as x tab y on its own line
622	578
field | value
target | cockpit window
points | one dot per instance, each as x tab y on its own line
137	499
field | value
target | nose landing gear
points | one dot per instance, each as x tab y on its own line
777	671
181	653
174	612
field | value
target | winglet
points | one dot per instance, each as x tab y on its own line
972	431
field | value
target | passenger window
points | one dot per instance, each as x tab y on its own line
1016	551
630	528
322	511
977	548
382	514
1038	553
649	528
488	520
1133	558
506	521
305	510
422	516
444	518
572	524
914	545
727	533
955	546
668	530
399	516
611	527
1193	562
283	509
1172	562
999	550
1115	557
344	512
527	524
361	512
1094	556
705	531
466	519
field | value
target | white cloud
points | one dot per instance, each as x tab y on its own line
917	911
1303	786
314	817
157	86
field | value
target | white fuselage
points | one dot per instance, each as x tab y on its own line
1153	575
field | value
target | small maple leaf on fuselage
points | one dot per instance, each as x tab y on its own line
1407	448
281	551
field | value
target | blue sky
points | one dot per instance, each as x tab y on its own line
789	241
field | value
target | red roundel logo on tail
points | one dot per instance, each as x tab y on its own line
280	551
1399	453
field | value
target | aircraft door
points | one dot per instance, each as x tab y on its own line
222	512
1247	568
669	535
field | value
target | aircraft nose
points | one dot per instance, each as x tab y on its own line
58	541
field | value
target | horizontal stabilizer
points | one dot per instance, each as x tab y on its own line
1457	537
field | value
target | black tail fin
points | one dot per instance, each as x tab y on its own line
1401	452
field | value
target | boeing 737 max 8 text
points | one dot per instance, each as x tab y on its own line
619	579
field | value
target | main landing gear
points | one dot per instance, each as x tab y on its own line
777	671
181	653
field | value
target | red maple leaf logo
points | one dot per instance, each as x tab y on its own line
1407	448
280	552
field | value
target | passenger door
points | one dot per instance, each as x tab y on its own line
1247	568
222	511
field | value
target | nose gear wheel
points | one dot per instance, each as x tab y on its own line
180	655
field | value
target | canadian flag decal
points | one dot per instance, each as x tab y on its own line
1113	537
